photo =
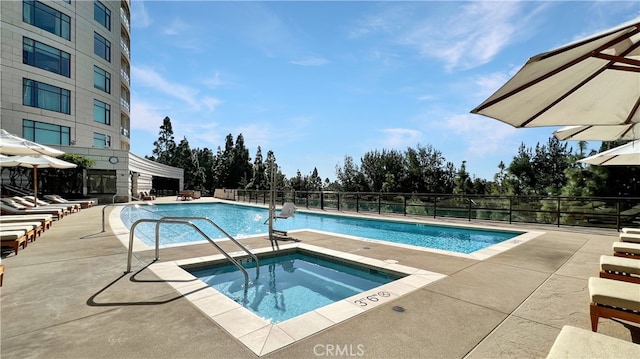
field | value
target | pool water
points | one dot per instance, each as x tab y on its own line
293	284
242	221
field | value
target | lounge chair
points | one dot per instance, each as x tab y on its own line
631	230
72	207
32	229
55	199
613	299
579	343
45	219
1	274
19	201
619	268
626	249
630	237
13	239
145	196
7	207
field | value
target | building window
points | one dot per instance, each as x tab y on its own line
101	14
45	57
101	181
46	133
48	97
101	79
101	141
101	47
46	18
101	112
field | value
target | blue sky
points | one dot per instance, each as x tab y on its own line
317	81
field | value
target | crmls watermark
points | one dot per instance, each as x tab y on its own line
338	350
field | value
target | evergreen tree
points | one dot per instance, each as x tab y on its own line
259	181
165	147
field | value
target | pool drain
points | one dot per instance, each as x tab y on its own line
398	309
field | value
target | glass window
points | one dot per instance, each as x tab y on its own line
48	97
101	112
43	56
46	18
101	79
101	47
101	14
46	133
101	181
101	141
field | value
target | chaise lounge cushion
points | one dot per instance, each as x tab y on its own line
575	342
631	230
630	237
626	247
620	265
614	293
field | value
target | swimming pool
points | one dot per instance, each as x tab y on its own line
243	221
294	283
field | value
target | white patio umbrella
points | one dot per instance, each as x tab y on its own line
625	155
594	81
599	133
14	145
35	162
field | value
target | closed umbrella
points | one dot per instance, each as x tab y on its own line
625	155
594	81
35	162
14	145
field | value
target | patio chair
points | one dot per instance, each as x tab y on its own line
145	196
619	268
630	237
13	239
631	230
626	249
72	207
29	204
45	219
32	229
10	207
577	343
53	198
613	299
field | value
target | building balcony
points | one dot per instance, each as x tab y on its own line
125	132
125	104
124	18
124	47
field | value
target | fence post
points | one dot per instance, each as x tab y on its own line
469	210
357	202
618	216
379	197
510	209
558	220
405	206
338	199
435	206
322	201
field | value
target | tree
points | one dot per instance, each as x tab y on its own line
463	182
187	159
165	146
259	181
241	169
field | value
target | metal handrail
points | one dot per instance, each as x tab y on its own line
174	221
255	258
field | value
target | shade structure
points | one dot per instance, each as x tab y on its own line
35	162
15	145
625	155
599	133
594	81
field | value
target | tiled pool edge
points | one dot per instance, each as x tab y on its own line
262	337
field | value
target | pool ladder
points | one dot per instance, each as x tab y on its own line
186	221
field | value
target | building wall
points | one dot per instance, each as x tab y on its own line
80	83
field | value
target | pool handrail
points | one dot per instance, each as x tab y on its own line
114	205
176	221
255	258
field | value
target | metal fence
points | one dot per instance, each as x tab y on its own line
602	212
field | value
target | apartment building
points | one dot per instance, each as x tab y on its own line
65	82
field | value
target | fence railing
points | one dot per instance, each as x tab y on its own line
603	212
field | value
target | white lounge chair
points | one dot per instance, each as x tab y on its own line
613	299
579	343
620	268
8	207
54	198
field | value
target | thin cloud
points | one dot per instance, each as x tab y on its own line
400	137
151	79
139	16
481	136
176	27
146	115
311	61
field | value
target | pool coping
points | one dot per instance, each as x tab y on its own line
263	337
122	232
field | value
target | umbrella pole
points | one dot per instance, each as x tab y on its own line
35	186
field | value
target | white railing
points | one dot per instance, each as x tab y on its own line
125	75
124	18
124	104
124	47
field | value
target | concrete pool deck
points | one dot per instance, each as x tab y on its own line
67	296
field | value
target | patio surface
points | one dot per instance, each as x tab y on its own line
67	296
